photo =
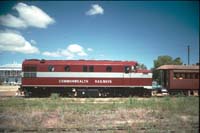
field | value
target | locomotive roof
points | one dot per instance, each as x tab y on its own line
78	62
178	67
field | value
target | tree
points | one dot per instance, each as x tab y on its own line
164	60
142	66
177	61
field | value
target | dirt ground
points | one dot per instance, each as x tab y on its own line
6	90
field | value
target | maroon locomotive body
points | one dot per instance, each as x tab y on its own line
72	77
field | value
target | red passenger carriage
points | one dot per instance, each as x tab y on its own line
180	79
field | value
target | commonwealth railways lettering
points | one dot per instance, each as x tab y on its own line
78	81
73	81
103	81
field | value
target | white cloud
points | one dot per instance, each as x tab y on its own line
76	49
52	54
96	9
89	49
28	16
70	52
15	42
66	53
12	21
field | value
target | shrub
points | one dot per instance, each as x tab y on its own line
54	96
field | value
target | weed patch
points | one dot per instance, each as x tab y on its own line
167	114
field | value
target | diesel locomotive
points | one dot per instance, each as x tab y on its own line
84	78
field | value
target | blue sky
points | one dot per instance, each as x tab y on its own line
110	30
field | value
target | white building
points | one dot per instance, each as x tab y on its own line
10	74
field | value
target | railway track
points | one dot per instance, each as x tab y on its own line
66	129
91	130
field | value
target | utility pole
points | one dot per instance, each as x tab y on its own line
188	54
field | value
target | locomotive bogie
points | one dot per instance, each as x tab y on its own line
86	92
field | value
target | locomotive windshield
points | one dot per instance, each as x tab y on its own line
29	71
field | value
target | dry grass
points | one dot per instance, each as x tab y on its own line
8	88
169	114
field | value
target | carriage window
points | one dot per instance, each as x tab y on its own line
108	69
182	75
84	68
126	69
196	75
67	68
191	75
51	68
91	68
176	75
187	75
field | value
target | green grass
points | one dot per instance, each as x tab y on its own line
170	114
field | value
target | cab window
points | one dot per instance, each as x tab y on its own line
84	68
108	69
91	68
67	68
51	68
126	69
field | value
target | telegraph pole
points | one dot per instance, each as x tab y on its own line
188	47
